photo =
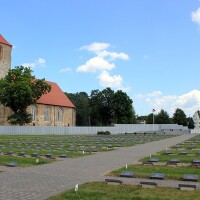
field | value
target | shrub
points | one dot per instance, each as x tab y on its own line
103	133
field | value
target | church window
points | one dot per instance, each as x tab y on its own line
33	112
59	115
47	114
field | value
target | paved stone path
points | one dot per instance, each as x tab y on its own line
40	182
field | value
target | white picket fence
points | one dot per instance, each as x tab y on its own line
116	129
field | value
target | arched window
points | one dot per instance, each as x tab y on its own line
59	115
47	114
33	112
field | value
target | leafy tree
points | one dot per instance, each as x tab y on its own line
162	117
81	101
18	90
123	109
107	106
149	118
96	107
190	122
179	117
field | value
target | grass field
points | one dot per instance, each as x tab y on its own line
102	191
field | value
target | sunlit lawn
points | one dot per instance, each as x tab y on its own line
103	191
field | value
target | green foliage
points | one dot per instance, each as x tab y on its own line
179	117
103	133
162	117
18	90
81	101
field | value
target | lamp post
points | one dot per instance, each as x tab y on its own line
153	117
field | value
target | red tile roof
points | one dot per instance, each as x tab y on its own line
3	41
55	97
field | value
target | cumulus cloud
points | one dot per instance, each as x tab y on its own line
95	64
95	47
101	63
113	55
38	62
106	80
67	69
196	16
189	102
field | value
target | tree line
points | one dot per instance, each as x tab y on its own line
107	107
103	108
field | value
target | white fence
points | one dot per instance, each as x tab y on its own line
116	129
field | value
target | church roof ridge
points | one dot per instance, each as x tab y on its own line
55	97
3	41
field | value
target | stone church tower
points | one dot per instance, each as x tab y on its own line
5	65
5	56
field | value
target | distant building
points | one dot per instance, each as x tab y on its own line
52	109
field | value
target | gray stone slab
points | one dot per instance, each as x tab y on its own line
12	164
160	176
190	177
153	160
127	174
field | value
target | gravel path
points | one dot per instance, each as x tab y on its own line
40	182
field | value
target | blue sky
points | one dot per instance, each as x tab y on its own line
148	48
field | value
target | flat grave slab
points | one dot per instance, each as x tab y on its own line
21	153
63	156
167	153
187	187
148	184
113	181
160	176
12	164
174	161
183	153
35	154
153	160
127	174
196	161
48	155
190	177
9	153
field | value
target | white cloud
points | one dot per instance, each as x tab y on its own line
67	69
102	63
95	47
113	55
38	62
196	16
189	102
96	64
41	61
106	80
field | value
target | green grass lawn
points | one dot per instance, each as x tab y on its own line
23	162
171	172
103	191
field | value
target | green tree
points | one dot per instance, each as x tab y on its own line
81	101
18	90
149	118
190	122
123	110
107	106
162	117
96	107
179	117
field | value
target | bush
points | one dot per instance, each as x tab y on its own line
103	133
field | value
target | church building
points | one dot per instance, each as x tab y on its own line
52	109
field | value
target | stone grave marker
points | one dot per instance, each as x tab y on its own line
190	177
127	174
160	176
12	164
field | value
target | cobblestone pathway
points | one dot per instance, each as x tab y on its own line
40	182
